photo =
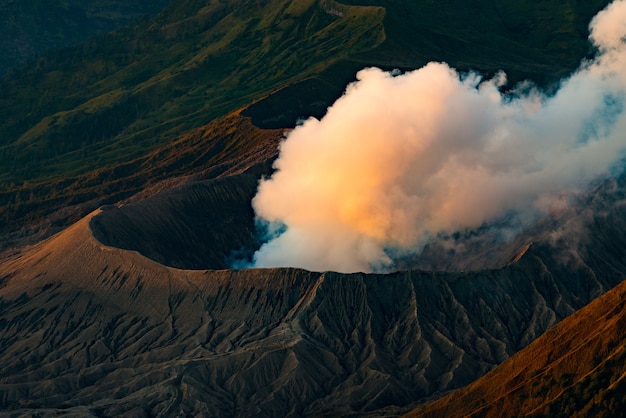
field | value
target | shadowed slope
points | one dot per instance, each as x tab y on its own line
201	224
31	27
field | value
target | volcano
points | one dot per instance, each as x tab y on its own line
89	328
130	167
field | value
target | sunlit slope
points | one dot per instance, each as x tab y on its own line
576	369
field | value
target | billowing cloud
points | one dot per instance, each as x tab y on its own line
399	160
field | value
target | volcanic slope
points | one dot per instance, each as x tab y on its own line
92	329
225	146
576	369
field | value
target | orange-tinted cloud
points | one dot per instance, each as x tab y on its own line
401	159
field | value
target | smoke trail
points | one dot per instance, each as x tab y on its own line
399	160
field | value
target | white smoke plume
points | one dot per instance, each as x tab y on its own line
401	159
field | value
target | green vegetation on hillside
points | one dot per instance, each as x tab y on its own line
117	97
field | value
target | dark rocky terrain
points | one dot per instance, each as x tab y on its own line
576	369
91	329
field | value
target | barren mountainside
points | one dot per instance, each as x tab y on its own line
575	369
92	329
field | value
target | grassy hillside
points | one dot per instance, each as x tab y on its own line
102	106
119	96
